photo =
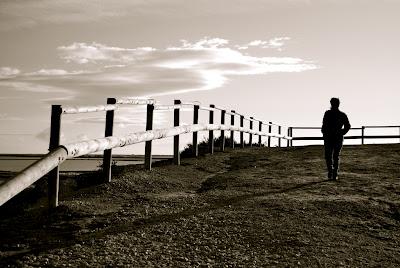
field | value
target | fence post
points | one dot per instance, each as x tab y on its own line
241	132
222	131
251	135
288	135
232	132
211	133
149	126
107	155
195	122
269	131
291	135
362	134
259	136
55	134
177	156
279	132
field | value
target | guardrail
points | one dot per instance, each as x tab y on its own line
362	137
49	164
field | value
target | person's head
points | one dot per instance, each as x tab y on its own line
335	102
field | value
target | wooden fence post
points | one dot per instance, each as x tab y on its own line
291	135
211	133
232	132
288	135
222	131
279	132
259	136
195	122
362	134
107	155
149	126
251	135
55	134
241	132
269	131
177	156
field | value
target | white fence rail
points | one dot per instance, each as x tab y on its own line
49	164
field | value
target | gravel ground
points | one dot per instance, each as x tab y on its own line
251	207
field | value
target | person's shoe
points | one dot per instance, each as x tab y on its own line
335	175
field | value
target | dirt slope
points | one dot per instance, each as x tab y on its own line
248	207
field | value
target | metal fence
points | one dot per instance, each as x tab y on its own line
362	137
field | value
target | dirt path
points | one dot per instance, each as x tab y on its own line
252	207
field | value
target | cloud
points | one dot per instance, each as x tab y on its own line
146	71
20	96
95	53
8	72
205	43
275	43
50	72
257	43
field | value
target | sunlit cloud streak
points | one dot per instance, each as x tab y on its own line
146	71
8	72
274	43
50	72
96	53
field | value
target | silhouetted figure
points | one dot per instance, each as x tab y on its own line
334	126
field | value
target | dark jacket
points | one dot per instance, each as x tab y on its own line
335	124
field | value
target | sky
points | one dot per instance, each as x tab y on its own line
276	60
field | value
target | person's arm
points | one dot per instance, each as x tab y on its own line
324	123
346	126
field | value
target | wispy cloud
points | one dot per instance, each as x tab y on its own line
8	72
106	71
96	53
50	72
19	96
144	71
205	43
275	43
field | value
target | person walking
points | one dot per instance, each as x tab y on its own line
335	125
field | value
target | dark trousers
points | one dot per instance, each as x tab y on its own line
332	146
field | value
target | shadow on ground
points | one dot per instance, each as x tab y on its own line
251	207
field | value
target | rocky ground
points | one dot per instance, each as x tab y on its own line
250	207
